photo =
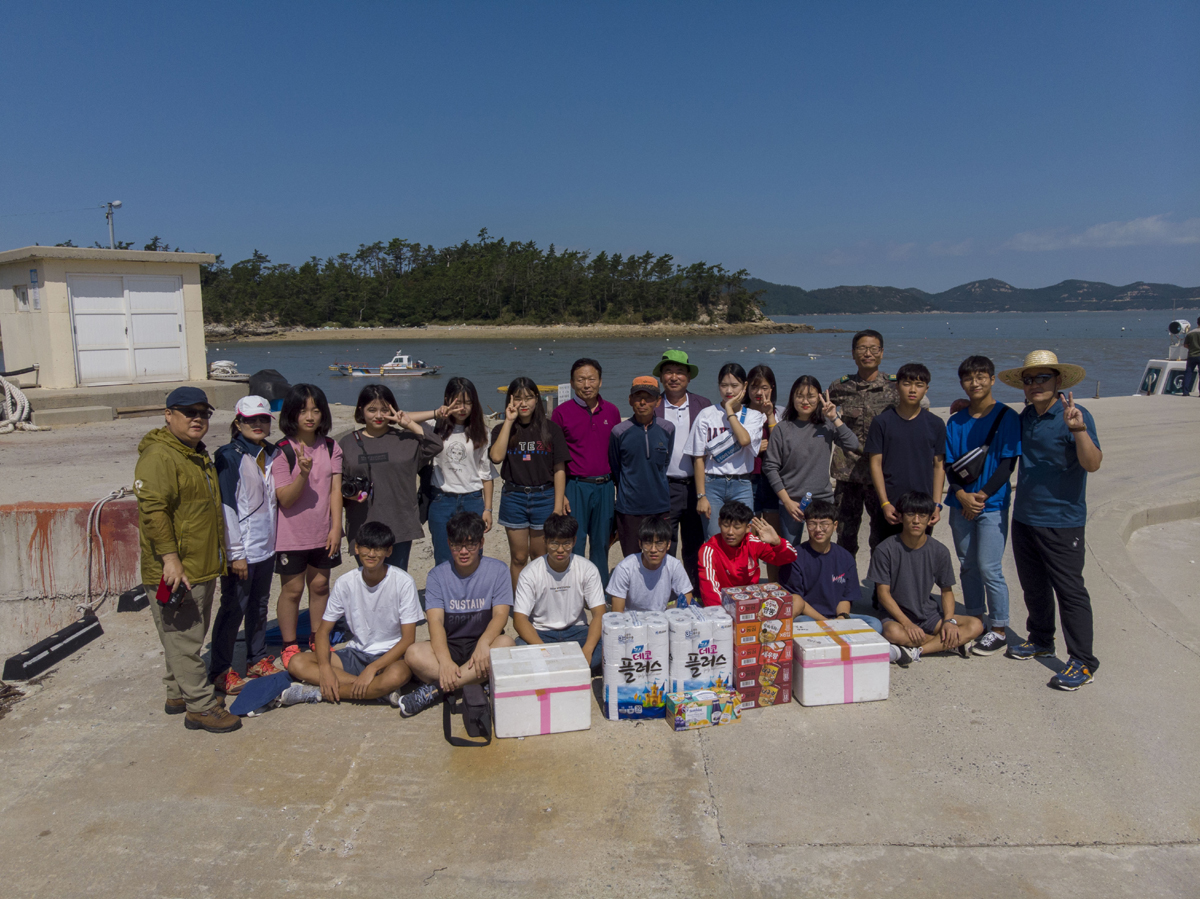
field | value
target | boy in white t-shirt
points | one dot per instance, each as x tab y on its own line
554	591
380	604
649	581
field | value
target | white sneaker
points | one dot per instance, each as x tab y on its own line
908	655
298	693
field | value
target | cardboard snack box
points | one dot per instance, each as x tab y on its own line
760	697
764	676
702	708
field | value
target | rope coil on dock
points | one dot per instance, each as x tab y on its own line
15	413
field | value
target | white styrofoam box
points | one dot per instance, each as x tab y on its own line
838	661
543	689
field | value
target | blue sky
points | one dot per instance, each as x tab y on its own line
813	144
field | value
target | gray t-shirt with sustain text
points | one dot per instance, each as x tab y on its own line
911	574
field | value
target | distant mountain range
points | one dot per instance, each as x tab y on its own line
990	295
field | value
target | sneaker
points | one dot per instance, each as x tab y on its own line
418	700
229	683
215	720
989	643
908	655
175	706
298	693
964	649
263	668
1074	676
1025	650
288	651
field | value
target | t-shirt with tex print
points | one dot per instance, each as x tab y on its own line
529	461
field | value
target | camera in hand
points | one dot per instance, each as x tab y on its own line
171	597
357	487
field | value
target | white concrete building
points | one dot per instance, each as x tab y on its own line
93	317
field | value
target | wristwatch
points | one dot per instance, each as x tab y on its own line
701	495
953	621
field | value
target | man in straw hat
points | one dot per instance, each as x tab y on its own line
1058	448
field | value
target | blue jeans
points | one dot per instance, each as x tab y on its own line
576	634
592	507
790	529
721	490
444	506
980	546
873	623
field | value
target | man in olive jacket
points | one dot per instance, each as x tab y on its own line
182	531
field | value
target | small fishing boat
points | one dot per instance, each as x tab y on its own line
224	370
1165	376
401	366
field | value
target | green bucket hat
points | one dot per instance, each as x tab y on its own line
679	357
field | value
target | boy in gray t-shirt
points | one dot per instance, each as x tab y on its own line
905	568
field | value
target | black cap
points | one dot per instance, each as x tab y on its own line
188	396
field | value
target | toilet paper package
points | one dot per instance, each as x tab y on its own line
635	658
701	650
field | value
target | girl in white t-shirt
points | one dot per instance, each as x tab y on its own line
723	443
462	473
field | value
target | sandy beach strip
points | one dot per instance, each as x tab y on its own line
519	332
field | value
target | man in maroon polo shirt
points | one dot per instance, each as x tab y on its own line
587	421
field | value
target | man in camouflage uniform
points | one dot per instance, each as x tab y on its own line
861	396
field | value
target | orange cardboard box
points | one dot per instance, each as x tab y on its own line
760	697
764	676
775	653
749	629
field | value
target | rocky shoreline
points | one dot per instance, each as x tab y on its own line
266	331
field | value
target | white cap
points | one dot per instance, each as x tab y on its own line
249	406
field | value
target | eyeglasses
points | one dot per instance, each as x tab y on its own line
976	379
458	547
561	544
655	544
195	412
1027	380
869	350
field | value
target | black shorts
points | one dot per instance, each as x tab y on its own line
929	625
461	650
297	561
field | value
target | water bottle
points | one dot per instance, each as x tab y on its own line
804	503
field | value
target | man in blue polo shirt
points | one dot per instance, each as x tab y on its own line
587	422
639	451
1059	447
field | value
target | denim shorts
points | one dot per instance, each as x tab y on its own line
519	509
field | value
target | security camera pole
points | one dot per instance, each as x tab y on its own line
115	204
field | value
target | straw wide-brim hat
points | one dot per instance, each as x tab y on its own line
1071	374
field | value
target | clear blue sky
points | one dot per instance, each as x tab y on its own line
811	143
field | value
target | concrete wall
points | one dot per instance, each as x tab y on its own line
43	555
45	336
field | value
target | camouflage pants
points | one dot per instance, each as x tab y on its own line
850	499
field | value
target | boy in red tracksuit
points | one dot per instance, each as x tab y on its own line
730	559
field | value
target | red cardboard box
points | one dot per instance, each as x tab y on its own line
767	675
747	655
775	653
761	697
776	630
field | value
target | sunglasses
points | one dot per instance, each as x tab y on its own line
254	419
1028	380
195	412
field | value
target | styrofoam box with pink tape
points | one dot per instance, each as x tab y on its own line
838	661
544	689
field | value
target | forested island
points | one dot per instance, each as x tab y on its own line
489	281
990	295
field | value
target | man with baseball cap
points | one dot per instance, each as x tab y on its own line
639	450
1059	447
680	407
182	538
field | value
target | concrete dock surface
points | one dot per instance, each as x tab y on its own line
974	778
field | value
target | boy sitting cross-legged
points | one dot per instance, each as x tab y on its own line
650	580
730	558
380	604
467	601
905	568
554	591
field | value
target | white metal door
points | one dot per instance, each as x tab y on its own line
156	327
99	317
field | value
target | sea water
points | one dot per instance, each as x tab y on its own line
1112	346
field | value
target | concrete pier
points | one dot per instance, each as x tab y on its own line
973	778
